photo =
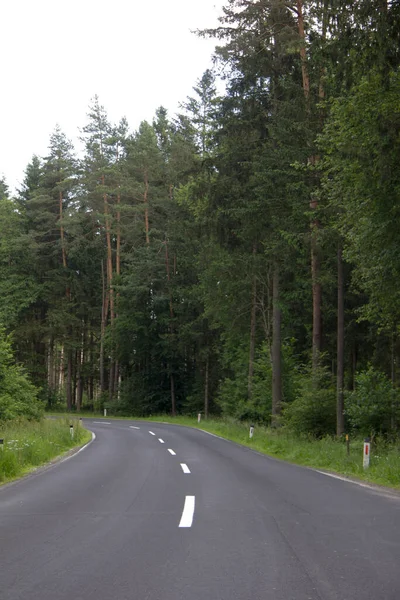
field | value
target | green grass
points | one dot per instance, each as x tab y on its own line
327	454
30	444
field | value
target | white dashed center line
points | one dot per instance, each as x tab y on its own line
102	422
188	512
185	468
152	433
133	427
171	452
161	441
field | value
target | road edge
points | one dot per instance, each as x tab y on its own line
54	462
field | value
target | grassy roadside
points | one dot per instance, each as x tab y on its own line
327	454
27	444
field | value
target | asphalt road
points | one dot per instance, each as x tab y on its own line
126	519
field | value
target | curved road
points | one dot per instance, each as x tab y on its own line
193	518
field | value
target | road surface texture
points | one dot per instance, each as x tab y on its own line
177	514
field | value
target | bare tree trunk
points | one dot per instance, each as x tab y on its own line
79	384
206	388
61	371
50	364
252	337
276	348
340	347
69	380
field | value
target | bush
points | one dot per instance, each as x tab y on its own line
18	396
233	392
374	406
313	412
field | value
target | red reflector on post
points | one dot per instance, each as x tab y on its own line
366	449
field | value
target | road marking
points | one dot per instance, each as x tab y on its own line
185	468
133	427
161	441
152	433
171	452
188	511
102	422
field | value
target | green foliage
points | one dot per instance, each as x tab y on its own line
374	406
362	144
139	277
18	397
18	286
314	409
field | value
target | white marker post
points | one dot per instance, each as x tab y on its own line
71	431
199	417
105	412
2	443
251	432
367	452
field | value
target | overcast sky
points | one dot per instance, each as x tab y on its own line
136	55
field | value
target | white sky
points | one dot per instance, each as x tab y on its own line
136	55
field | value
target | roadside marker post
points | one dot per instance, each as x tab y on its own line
251	432
71	431
348	444
105	412
199	417
2	443
367	453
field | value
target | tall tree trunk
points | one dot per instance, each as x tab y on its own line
276	347
303	53
171	328
111	382
354	366
104	312
69	380
118	256
61	371
116	376
50	364
316	291
173	399
340	347
252	337
206	387
315	259
63	252
146	207
109	257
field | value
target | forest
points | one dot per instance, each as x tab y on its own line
240	258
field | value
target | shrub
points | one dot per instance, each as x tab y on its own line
313	411
374	406
18	396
